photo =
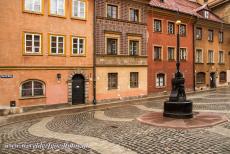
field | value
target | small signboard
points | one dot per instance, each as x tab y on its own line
6	76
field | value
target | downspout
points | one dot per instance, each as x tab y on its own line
94	55
194	44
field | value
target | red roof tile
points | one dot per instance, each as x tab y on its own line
184	6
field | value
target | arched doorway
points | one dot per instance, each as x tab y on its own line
78	89
212	80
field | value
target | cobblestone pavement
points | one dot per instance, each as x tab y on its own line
116	130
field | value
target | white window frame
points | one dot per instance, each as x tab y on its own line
160	82
57	42
57	8
221	61
33	46
212	59
206	14
78	45
43	88
183	55
198	58
78	9
32	2
171	30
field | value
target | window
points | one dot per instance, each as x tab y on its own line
32	88
112	80
134	15
183	54
33	5
171	53
171	28
182	30
157	53
223	77
210	35
134	47
134	80
206	14
198	33
112	11
221	37
57	44
210	56
221	57
79	8
199	56
157	25
78	46
160	80
32	43
200	78
57	7
112	46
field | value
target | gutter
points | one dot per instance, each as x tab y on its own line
194	47
94	55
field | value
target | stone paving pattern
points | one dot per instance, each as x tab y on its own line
133	135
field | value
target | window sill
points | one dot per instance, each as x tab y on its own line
58	16
78	18
35	97
134	87
58	55
171	34
221	63
160	32
183	60
210	63
200	83
210	41
171	60
222	82
33	12
110	89
157	60
78	55
199	63
32	54
161	87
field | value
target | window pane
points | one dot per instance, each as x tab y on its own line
38	92
111	46
28	37
53	6
37	84
27	85
82	9
27	93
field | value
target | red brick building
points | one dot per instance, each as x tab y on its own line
162	43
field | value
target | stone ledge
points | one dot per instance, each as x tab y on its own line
10	110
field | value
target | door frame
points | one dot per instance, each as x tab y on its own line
82	79
213	76
69	82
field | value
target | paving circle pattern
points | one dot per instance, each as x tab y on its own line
198	121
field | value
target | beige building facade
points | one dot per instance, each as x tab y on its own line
121	49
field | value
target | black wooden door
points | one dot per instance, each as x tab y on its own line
78	90
212	80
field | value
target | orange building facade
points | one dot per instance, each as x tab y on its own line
211	50
162	47
46	52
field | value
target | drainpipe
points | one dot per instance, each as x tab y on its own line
94	55
194	44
